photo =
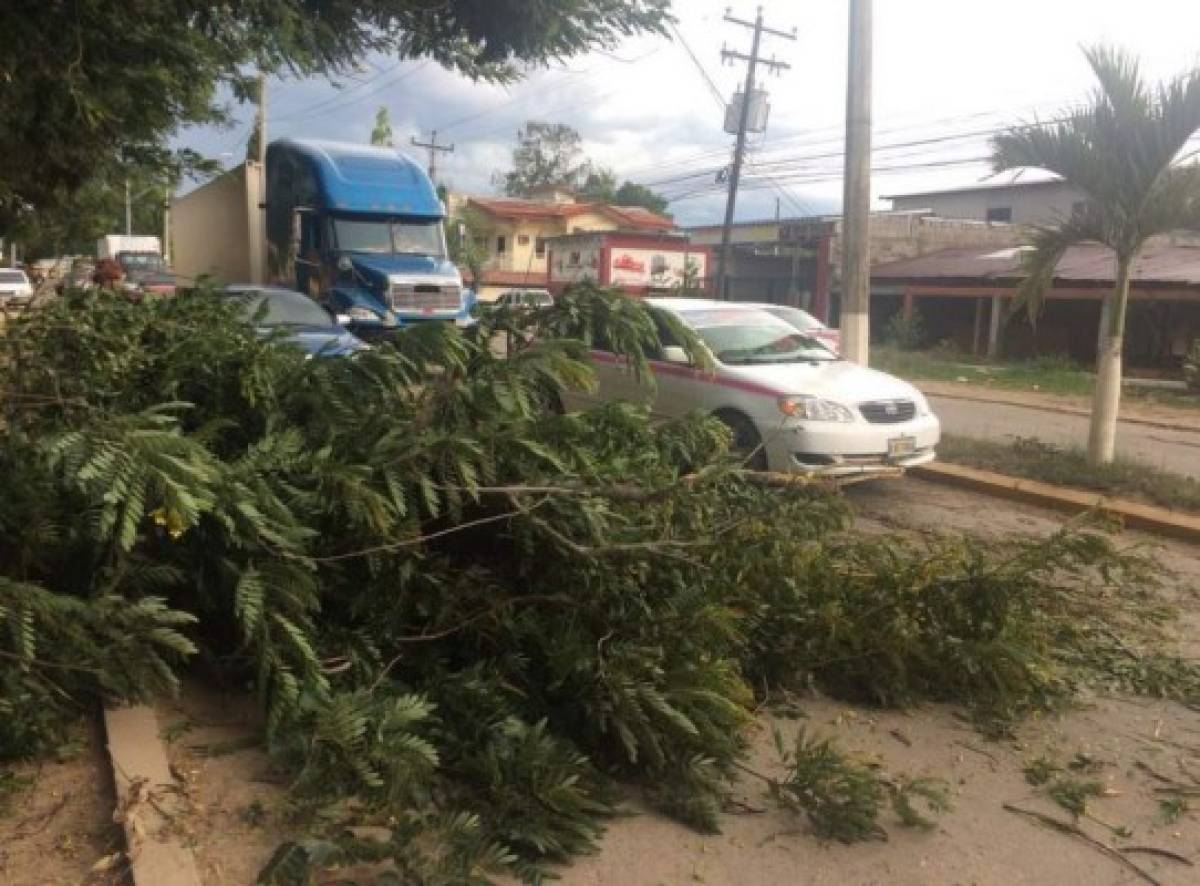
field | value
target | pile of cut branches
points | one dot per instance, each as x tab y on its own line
468	616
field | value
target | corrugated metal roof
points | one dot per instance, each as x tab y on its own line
1019	181
1163	265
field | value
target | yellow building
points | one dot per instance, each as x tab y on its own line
516	232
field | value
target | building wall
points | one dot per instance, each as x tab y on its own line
1043	204
210	228
522	256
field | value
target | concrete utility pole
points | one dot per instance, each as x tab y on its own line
739	152
261	122
434	150
856	203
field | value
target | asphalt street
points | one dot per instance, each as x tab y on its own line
1175	451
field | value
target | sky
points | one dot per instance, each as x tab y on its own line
946	74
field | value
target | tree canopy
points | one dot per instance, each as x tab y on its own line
95	83
1122	151
381	134
552	155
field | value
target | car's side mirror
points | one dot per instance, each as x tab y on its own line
344	264
676	354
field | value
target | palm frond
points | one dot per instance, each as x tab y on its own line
1049	245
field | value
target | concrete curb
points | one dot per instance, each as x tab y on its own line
147	799
1161	424
1072	501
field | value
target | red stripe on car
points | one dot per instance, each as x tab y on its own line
661	368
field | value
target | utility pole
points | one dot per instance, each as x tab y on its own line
434	150
753	60
167	224
128	209
261	122
856	203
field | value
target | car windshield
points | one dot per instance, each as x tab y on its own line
802	320
283	309
12	277
752	336
390	236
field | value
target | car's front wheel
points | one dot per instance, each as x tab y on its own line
747	442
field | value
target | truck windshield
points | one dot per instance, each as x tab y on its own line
142	261
388	236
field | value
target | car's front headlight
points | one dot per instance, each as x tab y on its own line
922	404
362	315
814	409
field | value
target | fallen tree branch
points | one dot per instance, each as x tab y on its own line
1065	827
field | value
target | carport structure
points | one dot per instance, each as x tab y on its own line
965	294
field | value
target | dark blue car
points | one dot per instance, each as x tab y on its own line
305	324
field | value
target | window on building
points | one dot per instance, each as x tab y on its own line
1000	214
539	247
501	245
522	239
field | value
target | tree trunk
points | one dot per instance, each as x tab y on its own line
1106	401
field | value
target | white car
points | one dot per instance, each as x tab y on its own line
806	323
14	286
792	404
525	299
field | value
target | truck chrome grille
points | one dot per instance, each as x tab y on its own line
888	412
425	298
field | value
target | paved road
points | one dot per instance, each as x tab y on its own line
1176	451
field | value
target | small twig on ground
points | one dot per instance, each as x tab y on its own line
1164	853
745	807
970	747
900	737
40	821
1065	827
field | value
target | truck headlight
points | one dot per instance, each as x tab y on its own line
365	315
814	409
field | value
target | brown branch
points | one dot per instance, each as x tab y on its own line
1065	827
1162	853
416	540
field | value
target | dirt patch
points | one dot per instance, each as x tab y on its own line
1127	745
58	825
234	800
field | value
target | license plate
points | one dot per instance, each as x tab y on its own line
898	447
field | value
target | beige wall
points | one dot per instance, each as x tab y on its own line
522	256
211	228
1043	204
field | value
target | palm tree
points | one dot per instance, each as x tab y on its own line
1122	152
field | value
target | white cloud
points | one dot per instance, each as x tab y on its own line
941	67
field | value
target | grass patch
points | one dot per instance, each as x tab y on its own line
1046	375
1033	459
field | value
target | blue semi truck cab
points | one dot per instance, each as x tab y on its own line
361	229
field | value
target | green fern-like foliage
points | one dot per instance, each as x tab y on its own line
471	620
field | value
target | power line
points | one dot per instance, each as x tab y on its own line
343	101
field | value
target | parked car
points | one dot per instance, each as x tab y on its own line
305	323
525	299
146	273
806	323
792	404
15	288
